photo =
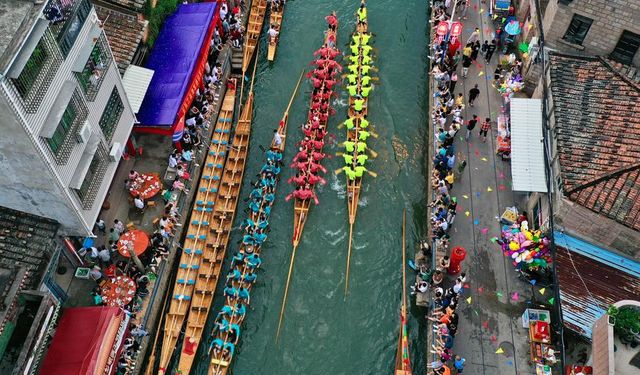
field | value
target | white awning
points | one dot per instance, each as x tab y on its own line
527	153
136	81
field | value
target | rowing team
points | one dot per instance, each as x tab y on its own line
245	262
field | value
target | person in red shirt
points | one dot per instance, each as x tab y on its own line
484	129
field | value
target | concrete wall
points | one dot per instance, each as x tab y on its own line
602	347
28	184
75	220
610	19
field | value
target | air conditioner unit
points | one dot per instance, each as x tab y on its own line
84	133
533	46
116	152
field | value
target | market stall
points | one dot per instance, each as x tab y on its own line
503	137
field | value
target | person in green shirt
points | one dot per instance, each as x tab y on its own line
364	123
354	58
366	50
364	69
362	13
353	79
355	39
358	104
361	147
366	59
364	38
359	170
349	146
353	68
353	90
348	159
351	174
355	49
365	91
363	135
349	123
365	80
362	158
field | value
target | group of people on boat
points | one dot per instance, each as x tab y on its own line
307	161
246	261
359	87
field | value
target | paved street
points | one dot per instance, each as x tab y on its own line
491	322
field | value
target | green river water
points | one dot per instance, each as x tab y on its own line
322	332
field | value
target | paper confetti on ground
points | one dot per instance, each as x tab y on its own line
484	159
489	189
469	300
480	289
502	187
467	213
485	324
480	74
465	196
493	338
481	10
510	363
499	351
493	239
542	291
484	230
515	296
552	300
478	194
498	294
501	176
476	222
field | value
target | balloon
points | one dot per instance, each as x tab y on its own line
514	245
518	259
528	235
514	255
526	243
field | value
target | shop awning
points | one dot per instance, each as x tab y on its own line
178	58
136	81
86	341
527	153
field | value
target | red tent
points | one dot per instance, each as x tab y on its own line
87	341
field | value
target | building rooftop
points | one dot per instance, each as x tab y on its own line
591	279
597	116
16	20
124	32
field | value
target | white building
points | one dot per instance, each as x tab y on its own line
64	115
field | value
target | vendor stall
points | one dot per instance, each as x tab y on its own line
503	137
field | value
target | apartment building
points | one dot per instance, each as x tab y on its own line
64	114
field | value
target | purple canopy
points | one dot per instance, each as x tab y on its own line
174	59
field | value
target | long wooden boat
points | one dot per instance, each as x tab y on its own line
301	207
220	361
220	227
254	27
275	21
196	245
353	135
403	362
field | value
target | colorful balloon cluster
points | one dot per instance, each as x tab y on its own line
528	249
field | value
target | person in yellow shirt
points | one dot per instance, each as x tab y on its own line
365	91
362	14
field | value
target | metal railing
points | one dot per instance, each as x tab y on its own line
95	69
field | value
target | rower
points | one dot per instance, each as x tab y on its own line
349	146
230	291
364	123
365	69
243	294
234	333
366	50
216	345
353	68
365	90
227	351
351	174
235	275
358	104
222	325
249	277
363	135
354	48
349	123
237	258
364	38
348	159
362	14
365	80
362	158
359	170
361	147
353	90
366	59
353	79
253	261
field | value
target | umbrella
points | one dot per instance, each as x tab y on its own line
513	28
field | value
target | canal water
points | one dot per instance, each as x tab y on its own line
322	332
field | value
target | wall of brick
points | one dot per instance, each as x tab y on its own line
610	19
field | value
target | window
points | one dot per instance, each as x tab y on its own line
67	17
626	48
64	126
91	77
37	74
64	138
91	184
111	115
578	29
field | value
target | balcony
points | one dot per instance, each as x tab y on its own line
95	69
67	18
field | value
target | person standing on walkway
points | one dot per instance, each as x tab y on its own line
118	226
113	235
475	50
453	81
490	50
459	364
466	63
100	225
484	129
473	94
104	255
471	125
475	35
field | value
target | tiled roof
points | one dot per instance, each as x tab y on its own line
124	32
597	117
131	4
